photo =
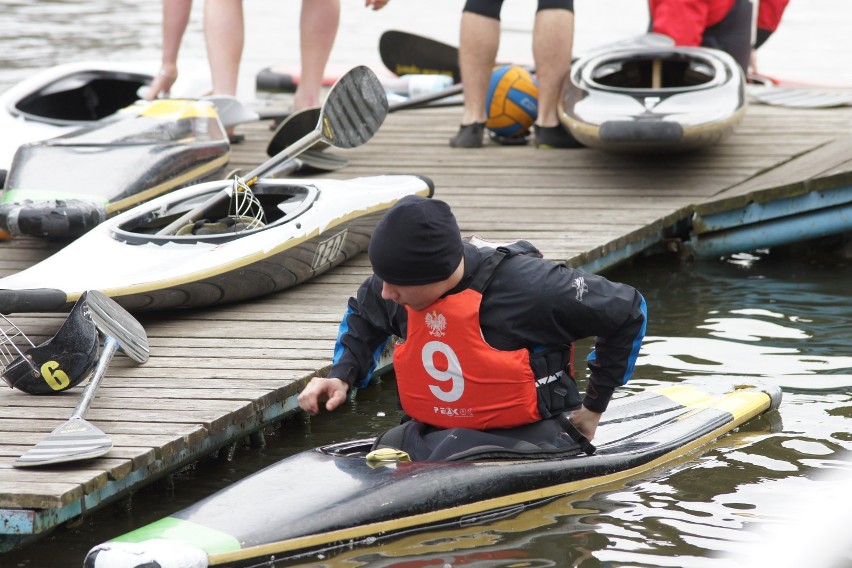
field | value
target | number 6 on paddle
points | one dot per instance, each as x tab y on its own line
77	439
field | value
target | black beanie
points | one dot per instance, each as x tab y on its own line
416	242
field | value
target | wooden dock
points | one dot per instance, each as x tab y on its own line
218	375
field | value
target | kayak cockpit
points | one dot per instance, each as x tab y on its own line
81	96
655	70
266	204
351	449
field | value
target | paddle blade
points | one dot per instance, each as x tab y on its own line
800	97
74	440
114	321
293	128
354	110
410	54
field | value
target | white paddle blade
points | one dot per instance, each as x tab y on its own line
800	97
114	321
355	108
74	440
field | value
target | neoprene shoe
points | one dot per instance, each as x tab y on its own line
554	137
469	136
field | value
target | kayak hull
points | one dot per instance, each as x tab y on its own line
61	187
329	222
657	99
331	497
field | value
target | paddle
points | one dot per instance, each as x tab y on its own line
78	439
799	97
297	123
408	54
294	127
353	111
310	161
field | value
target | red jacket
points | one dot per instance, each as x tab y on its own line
686	20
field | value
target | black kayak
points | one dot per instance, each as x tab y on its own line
339	496
62	187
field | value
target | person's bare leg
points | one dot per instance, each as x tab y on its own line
175	19
223	34
480	39
318	26
553	36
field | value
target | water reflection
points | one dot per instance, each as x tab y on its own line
37	35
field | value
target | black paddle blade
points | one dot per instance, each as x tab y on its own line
314	161
410	54
355	108
309	162
114	321
293	128
76	439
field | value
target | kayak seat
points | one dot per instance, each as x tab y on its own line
225	225
541	440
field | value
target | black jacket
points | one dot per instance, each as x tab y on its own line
530	302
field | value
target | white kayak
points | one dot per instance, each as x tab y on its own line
276	234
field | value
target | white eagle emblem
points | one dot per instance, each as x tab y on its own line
436	323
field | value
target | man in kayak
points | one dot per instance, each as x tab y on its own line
721	24
553	37
486	334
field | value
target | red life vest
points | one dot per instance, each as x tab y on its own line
448	376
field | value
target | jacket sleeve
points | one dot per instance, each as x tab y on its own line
571	304
367	325
769	14
612	361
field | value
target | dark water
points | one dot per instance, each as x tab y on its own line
780	317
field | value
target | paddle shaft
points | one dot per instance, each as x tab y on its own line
426	98
110	347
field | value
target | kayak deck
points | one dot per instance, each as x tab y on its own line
332	497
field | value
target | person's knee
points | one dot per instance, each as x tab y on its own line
488	8
555	5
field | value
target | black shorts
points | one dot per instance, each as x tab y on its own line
491	8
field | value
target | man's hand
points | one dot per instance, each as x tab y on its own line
331	391
162	83
375	4
585	421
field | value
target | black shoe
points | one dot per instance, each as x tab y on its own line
516	140
554	137
468	136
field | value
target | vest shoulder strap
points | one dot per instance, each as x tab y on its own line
483	275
